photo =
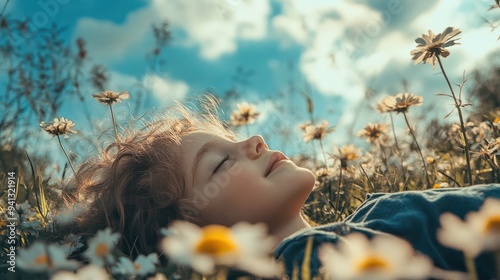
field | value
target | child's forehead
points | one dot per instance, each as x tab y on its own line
207	136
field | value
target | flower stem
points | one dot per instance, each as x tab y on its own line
66	154
324	154
368	178
326	167
397	148
337	197
384	160
471	267
458	104
419	151
114	122
450	178
394	132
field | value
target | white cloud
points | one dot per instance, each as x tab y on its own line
213	25
445	13
326	31
107	41
165	89
475	45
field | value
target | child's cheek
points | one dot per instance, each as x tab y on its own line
244	188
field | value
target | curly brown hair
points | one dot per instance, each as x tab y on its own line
136	186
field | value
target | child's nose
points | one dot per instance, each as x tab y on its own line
255	146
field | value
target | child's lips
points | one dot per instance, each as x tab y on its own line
275	160
277	164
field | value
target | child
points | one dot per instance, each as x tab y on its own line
189	166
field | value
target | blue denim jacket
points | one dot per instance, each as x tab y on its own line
411	215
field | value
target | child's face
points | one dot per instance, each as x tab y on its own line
239	189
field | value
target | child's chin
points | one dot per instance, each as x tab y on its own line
302	179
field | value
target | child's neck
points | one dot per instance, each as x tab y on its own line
288	229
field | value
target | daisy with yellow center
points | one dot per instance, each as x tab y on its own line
479	232
244	246
430	46
59	127
400	103
110	97
383	257
41	257
101	246
245	114
319	132
142	266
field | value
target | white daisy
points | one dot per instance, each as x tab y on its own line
110	97
89	272
41	257
479	232
244	246
101	246
142	265
383	257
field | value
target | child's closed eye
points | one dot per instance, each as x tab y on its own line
224	160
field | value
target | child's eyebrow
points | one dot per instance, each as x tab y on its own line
199	155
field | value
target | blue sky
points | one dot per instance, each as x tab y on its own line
338	48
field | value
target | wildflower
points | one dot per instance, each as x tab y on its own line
101	246
348	155
374	132
432	45
383	257
109	97
313	132
84	273
41	257
245	114
59	127
142	266
479	232
399	103
244	246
